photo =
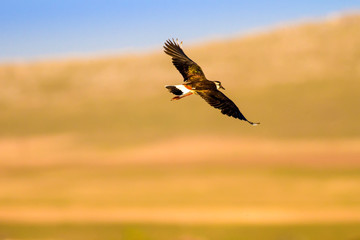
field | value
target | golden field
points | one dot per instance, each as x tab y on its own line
94	149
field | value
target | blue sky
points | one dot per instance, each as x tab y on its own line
35	29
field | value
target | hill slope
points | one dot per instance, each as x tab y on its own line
299	82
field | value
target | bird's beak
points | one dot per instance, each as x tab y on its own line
222	87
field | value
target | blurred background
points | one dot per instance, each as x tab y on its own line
91	147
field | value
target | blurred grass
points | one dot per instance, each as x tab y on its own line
129	231
198	185
311	109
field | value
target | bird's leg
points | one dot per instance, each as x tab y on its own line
182	96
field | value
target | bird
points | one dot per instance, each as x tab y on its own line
195	82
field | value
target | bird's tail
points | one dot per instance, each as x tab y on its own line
177	89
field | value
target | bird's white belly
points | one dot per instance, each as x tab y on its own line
182	88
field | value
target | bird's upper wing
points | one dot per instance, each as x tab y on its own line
218	100
187	67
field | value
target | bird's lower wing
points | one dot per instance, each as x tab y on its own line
218	100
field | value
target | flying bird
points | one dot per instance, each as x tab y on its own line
195	82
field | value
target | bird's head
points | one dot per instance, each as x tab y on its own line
218	85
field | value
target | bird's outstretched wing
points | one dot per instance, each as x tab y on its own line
218	100
187	67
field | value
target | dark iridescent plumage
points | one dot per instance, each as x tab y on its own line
187	67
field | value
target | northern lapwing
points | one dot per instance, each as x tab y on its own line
195	82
